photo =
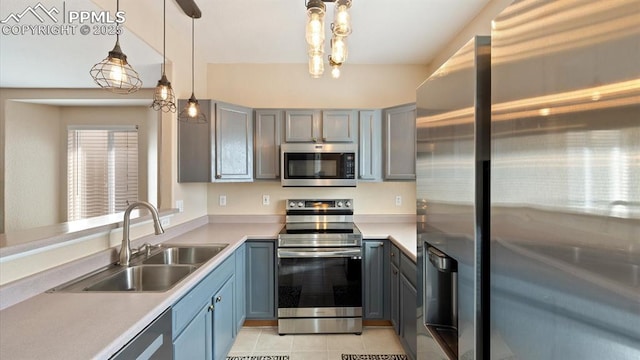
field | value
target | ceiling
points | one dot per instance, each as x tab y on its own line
238	31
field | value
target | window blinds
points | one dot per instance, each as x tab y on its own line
102	170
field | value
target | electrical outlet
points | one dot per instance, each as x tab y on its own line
266	200
180	205
222	200
398	200
165	222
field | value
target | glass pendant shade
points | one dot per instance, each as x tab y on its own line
339	49
164	97
335	67
115	74
315	24
316	65
342	18
192	113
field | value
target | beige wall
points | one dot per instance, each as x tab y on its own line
32	166
369	198
290	86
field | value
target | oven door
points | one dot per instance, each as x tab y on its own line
319	282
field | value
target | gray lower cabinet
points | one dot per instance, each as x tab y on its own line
394	255
261	280
370	145
399	142
240	306
268	137
219	150
375	279
408	304
153	343
203	320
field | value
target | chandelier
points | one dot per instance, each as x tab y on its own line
314	35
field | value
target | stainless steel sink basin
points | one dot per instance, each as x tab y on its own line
160	270
192	255
143	278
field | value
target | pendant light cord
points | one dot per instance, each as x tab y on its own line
117	32
193	20
164	36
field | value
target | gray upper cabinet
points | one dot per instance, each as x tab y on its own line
370	145
399	131
268	136
320	126
234	143
339	126
301	125
220	150
194	147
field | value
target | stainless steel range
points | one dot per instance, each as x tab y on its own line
319	268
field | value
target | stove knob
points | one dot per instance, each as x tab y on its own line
348	204
339	204
300	204
292	204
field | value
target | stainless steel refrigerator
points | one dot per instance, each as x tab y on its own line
560	276
452	191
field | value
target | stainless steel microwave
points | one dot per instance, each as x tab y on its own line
319	164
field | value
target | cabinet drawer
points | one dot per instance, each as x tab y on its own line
408	269
187	307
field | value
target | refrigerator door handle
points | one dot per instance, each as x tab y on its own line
441	261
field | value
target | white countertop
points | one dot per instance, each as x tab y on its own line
96	325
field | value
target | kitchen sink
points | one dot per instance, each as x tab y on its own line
143	278
157	269
191	255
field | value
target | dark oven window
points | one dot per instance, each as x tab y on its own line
319	282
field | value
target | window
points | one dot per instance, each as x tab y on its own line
102	170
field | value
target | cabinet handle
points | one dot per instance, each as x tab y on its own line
324	139
381	243
218	299
218	176
393	254
395	272
314	139
211	307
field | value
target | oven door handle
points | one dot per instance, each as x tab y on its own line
319	253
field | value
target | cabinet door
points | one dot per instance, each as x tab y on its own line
261	277
395	298
302	125
370	145
400	143
375	280
267	139
195	342
240	308
339	126
234	143
194	147
408	316
223	320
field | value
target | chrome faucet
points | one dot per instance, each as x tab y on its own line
125	249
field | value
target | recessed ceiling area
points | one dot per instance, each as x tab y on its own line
231	32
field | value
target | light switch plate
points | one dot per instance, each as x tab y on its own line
222	200
398	200
266	200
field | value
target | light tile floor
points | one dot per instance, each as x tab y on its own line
266	341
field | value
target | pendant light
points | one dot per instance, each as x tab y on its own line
192	112
164	98
114	73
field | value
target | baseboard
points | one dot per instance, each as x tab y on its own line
257	323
